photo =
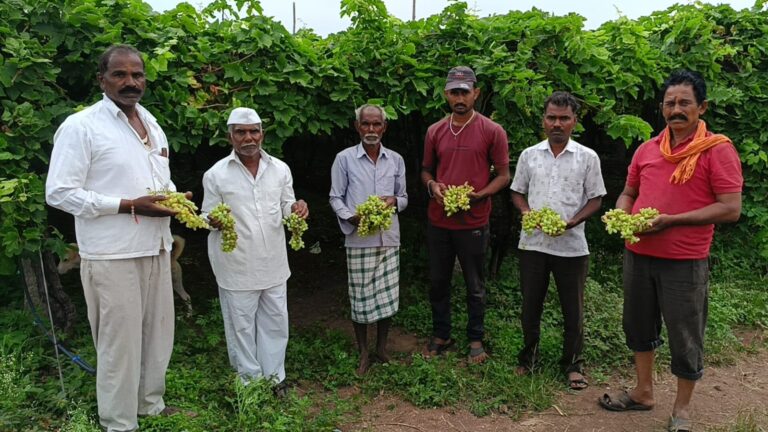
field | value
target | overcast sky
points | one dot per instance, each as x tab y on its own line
323	15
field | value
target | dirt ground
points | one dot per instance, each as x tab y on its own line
317	297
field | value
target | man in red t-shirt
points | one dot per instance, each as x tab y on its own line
693	177
461	148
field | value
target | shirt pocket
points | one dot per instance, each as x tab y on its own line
272	205
161	171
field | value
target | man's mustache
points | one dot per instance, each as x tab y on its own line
129	90
678	117
460	106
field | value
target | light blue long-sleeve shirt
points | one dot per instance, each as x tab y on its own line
355	177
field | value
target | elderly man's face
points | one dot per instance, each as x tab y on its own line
246	139
371	126
124	80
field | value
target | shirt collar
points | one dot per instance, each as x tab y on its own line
113	109
360	151
264	157
544	145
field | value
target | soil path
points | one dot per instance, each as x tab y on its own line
723	394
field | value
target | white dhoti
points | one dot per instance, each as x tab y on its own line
256	329
130	309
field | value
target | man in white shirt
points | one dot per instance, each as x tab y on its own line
105	159
252	278
565	176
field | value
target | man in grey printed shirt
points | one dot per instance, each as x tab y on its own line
563	175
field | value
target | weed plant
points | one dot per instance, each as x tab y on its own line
321	361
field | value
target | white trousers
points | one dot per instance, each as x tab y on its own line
256	328
130	309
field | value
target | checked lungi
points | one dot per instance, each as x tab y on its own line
373	276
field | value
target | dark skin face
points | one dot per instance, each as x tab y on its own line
124	81
558	124
681	111
371	127
246	140
462	101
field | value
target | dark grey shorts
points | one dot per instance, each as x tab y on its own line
675	290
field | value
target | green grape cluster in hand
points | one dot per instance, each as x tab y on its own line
375	215
545	219
187	210
223	213
627	225
456	198
296	225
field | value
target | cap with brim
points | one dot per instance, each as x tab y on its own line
243	116
460	77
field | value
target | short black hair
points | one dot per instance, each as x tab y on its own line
563	99
119	48
687	77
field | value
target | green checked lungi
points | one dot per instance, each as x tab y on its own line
373	275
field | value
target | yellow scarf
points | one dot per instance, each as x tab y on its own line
686	159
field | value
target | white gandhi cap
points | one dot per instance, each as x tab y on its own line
243	116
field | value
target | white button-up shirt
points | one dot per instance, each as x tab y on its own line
564	183
258	206
355	177
99	159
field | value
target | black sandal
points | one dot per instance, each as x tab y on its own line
438	348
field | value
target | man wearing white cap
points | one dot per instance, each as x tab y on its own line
252	278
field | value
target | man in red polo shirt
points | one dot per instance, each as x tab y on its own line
693	177
462	147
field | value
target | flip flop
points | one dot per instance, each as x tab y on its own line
622	403
438	348
477	355
677	424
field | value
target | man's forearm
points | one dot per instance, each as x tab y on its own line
520	202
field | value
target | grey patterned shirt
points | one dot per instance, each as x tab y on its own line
564	183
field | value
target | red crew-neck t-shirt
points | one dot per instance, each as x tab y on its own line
718	171
466	157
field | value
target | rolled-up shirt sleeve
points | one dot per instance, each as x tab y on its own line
67	173
400	190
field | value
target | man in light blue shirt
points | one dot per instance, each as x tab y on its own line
373	261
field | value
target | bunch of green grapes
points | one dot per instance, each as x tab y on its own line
223	213
375	215
619	221
296	225
456	198
545	219
187	210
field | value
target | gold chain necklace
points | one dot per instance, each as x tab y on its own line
450	125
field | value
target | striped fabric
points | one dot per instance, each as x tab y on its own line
373	275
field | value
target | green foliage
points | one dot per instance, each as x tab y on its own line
203	63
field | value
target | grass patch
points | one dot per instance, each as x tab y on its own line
322	361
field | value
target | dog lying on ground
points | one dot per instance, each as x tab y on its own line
72	261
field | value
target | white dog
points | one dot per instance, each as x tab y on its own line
72	261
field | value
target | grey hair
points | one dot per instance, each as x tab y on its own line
359	111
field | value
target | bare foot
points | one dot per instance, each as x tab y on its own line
522	371
362	368
576	381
